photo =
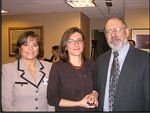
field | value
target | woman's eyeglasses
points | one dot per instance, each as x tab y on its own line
72	42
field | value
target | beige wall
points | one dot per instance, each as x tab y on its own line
85	26
137	18
54	25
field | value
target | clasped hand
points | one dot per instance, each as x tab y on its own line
89	101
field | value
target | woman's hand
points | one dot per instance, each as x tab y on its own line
89	101
93	99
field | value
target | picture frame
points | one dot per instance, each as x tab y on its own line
141	37
15	32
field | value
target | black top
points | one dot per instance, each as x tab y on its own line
52	59
68	83
49	60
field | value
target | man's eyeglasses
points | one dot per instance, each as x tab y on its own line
72	42
115	30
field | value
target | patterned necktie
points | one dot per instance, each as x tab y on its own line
114	75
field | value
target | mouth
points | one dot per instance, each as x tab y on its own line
77	49
29	53
115	41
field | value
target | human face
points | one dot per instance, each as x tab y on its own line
30	49
55	53
116	34
75	44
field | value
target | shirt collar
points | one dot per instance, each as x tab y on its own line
123	51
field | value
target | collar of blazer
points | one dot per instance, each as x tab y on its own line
40	67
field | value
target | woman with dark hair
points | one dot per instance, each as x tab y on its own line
132	42
71	80
55	54
24	82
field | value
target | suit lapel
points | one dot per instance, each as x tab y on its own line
24	74
129	62
41	74
104	75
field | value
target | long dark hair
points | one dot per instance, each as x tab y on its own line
23	39
64	56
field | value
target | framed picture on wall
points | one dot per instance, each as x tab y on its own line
15	32
141	38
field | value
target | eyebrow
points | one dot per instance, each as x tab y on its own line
77	39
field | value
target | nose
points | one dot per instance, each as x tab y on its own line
113	33
30	47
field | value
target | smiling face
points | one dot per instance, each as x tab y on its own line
75	44
30	49
116	33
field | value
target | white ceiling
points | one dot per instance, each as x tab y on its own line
19	7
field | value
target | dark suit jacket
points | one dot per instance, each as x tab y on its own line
132	93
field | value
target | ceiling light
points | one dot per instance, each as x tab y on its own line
108	3
80	3
3	11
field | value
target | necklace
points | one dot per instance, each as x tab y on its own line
76	67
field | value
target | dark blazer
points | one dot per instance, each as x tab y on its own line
132	93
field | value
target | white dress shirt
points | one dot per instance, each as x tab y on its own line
121	57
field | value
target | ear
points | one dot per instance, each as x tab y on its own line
65	48
127	32
38	52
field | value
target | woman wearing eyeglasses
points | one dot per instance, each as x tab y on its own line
71	81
